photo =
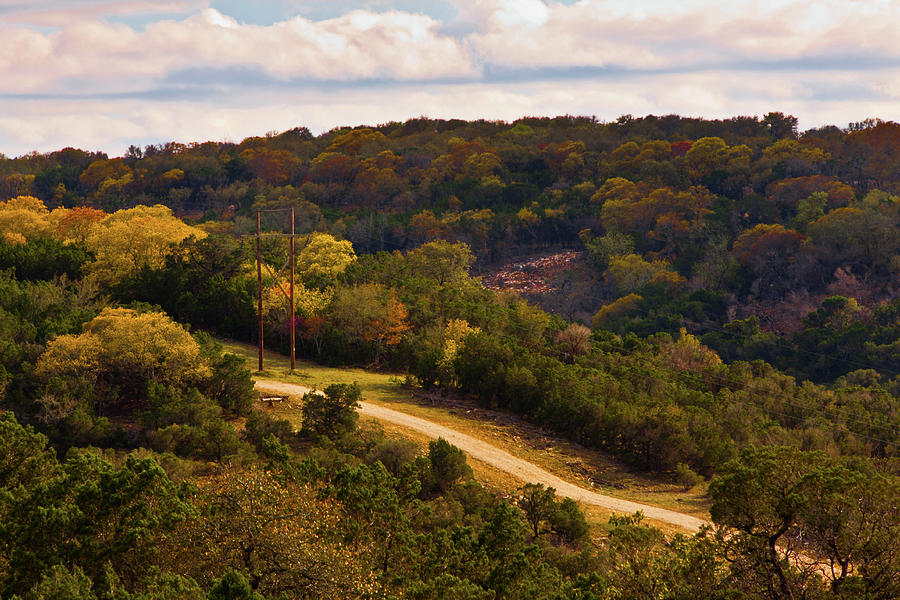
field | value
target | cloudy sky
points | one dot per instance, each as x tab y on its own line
103	74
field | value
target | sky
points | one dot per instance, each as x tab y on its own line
106	74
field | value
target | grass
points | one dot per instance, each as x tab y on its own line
560	457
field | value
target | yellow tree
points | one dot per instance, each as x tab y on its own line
663	212
788	149
126	349
631	272
358	141
440	261
687	353
128	240
709	154
454	334
108	180
308	302
324	257
615	310
24	217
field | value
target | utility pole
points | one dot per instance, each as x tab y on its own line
293	318
259	287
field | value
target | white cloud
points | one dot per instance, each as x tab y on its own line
691	33
358	45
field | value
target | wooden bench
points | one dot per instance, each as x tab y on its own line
272	399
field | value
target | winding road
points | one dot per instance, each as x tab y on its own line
525	471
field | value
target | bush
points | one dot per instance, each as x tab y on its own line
260	425
686	477
393	454
568	521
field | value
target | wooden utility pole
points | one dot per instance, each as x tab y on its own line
259	287
276	277
293	318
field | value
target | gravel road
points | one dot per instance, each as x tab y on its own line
522	469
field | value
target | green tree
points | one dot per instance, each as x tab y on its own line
538	503
630	273
440	261
331	414
447	464
84	513
761	496
59	583
373	516
233	586
568	522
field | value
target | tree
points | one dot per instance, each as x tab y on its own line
768	252
77	223
602	249
710	154
323	257
665	214
273	166
331	414
369	313
390	328
795	515
615	310
788	193
447	464
59	583
630	273
538	503
85	514
43	258
233	586
863	237
124	349
688	354
760	496
440	261
575	340
276	532
780	125
25	462
568	521
373	516
24	217
130	239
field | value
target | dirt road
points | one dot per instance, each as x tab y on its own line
500	459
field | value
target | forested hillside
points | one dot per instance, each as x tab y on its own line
735	229
739	321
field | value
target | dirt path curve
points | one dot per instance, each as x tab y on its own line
500	459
